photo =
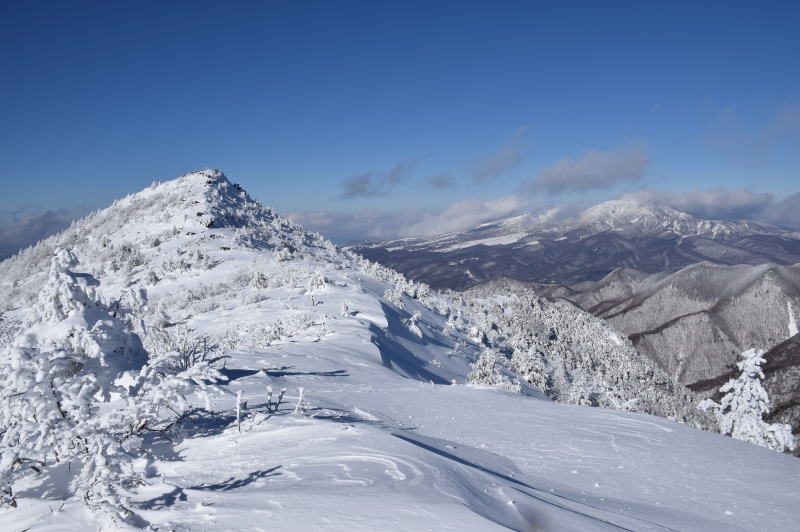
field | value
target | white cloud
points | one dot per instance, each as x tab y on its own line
22	228
464	215
710	203
593	169
370	225
372	185
721	203
730	135
440	181
509	155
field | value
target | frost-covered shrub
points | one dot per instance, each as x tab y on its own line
126	257
152	278
177	265
489	369
252	297
744	404
394	296
411	323
259	280
530	367
76	387
455	322
298	323
317	281
186	261
294	324
53	378
8	328
284	254
259	336
181	346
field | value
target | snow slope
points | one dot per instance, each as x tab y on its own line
388	435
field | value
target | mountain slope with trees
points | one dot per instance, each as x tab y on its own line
196	361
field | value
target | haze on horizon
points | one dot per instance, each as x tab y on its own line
378	120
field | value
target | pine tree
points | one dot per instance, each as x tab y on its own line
741	410
57	377
488	370
53	378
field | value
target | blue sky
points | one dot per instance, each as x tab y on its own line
399	107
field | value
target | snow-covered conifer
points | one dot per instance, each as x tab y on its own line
412	324
488	369
745	402
394	296
528	365
54	376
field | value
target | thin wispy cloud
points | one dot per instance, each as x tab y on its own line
724	204
464	215
370	225
440	181
372	184
23	227
592	169
719	202
728	134
348	227
785	212
508	156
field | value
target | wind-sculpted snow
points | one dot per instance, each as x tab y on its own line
239	310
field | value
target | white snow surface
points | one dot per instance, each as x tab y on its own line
390	437
792	321
493	241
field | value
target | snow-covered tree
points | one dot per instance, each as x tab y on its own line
8	328
317	281
745	402
412	324
394	296
530	367
76	387
54	376
488	369
574	357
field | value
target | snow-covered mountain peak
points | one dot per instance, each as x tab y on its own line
628	211
369	372
206	197
170	231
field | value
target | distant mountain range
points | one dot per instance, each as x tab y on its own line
611	235
140	347
693	323
691	294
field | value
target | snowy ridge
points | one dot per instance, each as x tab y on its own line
614	234
386	433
